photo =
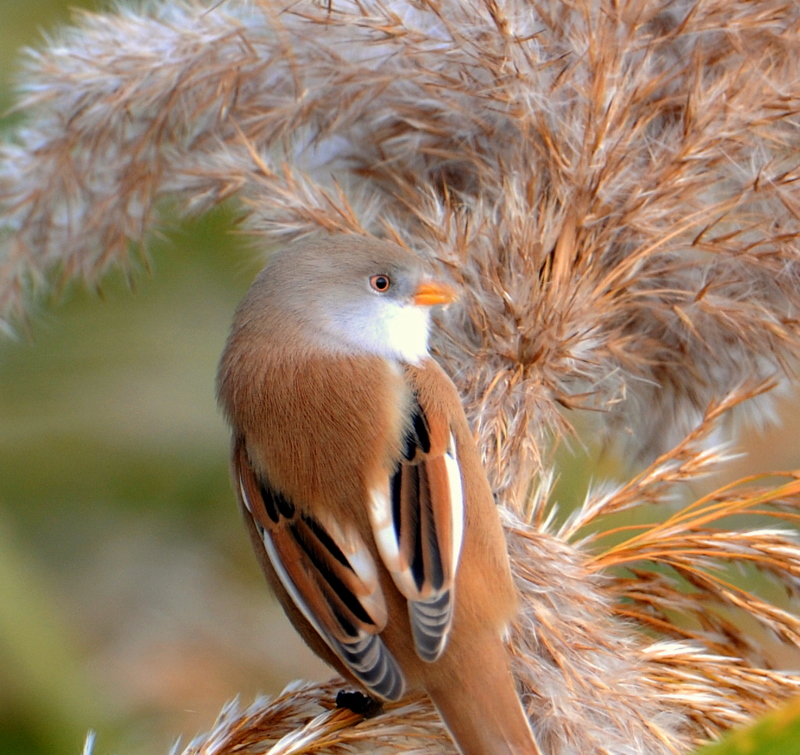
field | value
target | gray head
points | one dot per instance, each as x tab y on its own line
349	294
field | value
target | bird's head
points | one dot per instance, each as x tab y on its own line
349	294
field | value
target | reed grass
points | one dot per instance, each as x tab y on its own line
613	183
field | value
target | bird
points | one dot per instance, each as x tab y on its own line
362	488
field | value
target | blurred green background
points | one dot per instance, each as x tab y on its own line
130	602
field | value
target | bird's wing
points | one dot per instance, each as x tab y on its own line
329	574
418	524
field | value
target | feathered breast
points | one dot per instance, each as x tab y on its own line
323	429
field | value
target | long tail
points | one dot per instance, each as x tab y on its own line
481	708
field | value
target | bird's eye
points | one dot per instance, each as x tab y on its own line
380	283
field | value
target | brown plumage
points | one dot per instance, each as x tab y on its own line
362	488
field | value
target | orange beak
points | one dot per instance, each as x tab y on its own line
430	293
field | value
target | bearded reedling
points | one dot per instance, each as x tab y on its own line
362	487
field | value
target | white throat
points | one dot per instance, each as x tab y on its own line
407	329
391	330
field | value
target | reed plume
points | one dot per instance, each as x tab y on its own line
614	185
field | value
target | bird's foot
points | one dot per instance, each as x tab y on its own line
358	702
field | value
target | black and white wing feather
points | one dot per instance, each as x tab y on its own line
330	576
418	523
